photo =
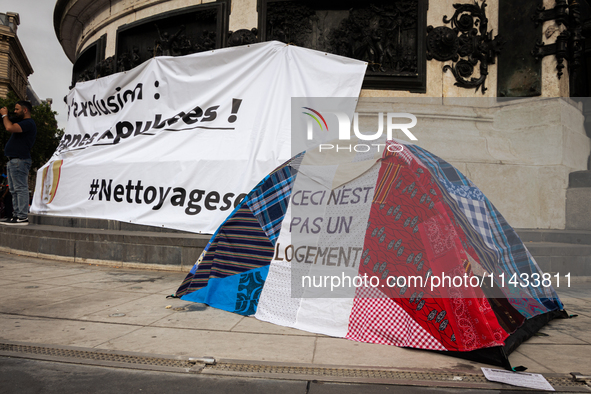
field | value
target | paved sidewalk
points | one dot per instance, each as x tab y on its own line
54	303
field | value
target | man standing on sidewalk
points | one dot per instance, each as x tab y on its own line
18	152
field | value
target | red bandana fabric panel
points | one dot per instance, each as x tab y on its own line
411	234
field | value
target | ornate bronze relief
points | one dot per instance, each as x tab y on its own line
177	44
382	33
85	67
242	37
467	43
105	67
176	33
173	34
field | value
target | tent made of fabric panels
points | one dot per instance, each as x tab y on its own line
386	216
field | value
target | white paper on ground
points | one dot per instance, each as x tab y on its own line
521	379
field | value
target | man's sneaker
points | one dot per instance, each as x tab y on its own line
16	221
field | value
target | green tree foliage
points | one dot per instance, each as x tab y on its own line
48	135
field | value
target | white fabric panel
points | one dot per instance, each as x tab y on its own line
326	309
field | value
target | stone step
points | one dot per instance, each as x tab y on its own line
574	237
119	243
123	247
92	223
559	251
562	258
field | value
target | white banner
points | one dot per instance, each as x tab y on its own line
177	142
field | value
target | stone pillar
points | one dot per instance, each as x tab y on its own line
578	201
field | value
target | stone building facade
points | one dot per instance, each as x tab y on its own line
494	83
14	65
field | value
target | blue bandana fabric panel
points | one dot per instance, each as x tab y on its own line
237	293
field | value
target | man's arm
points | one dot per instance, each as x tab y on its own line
8	125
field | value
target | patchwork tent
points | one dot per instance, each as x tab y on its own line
395	247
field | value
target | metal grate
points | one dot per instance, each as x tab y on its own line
349	373
99	356
371	374
268	369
